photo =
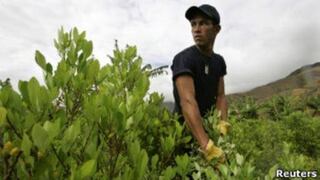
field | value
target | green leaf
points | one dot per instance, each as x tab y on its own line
41	61
169	173
49	68
3	115
142	163
60	35
72	54
43	97
235	170
130	53
23	87
93	70
88	168
186	139
120	122
56	44
103	74
154	161
75	34
72	132
26	145
224	170
239	159
272	171
53	128
4	95
196	166
91	148
65	39
182	164
134	149
167	144
82	35
178	126
142	86
87	48
30	120
49	81
40	137
127	173
196	175
61	76
211	174
33	93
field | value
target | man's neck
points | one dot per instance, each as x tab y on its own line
208	51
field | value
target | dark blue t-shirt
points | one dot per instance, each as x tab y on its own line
205	72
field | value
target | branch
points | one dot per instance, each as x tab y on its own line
61	162
12	166
14	129
86	141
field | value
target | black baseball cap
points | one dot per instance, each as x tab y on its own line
205	9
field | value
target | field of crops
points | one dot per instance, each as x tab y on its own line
92	121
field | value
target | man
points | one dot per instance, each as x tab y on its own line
198	78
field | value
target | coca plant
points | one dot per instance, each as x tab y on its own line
85	121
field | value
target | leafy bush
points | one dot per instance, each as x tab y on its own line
260	140
87	121
245	108
313	103
303	131
279	106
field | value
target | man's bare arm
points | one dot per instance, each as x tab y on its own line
221	103
190	109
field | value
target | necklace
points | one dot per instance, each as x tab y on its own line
206	69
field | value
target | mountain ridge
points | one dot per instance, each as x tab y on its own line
300	81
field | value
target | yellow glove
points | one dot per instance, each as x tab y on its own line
213	151
223	127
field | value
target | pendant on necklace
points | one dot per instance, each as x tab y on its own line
206	69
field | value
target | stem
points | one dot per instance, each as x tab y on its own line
76	106
14	129
66	99
166	160
41	116
118	149
114	165
109	144
86	141
58	157
6	165
12	166
102	131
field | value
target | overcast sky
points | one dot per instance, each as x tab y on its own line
261	40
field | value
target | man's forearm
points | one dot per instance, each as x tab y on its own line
222	106
193	119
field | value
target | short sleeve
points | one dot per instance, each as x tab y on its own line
181	66
223	67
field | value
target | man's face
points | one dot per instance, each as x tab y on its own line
203	31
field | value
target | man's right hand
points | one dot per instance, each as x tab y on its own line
212	152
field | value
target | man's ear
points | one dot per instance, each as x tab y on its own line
218	28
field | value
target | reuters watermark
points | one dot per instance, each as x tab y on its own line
296	174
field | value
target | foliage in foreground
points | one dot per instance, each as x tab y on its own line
93	121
